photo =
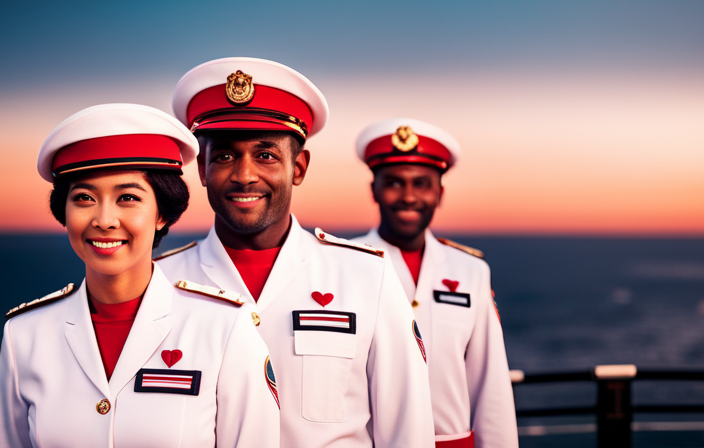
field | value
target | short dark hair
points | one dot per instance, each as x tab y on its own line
297	142
170	190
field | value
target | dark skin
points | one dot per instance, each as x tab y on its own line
407	196
250	182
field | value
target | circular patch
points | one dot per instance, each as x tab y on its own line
419	340
271	380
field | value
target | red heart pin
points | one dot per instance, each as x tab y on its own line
171	357
451	284
322	299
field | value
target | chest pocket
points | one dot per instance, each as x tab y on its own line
327	343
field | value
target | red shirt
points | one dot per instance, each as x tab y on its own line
254	266
112	324
413	260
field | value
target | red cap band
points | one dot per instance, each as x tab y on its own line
138	151
381	151
271	109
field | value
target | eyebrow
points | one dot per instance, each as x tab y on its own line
85	186
130	185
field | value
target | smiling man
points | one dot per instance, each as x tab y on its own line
346	351
447	284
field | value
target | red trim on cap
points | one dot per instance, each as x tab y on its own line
265	99
429	151
143	150
414	159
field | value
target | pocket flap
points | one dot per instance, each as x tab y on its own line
324	343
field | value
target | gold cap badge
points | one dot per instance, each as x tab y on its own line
404	139
239	88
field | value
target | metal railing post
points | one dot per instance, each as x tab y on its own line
614	409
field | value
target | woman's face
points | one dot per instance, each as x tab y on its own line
111	217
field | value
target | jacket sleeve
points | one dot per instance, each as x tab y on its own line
14	431
493	412
399	390
248	410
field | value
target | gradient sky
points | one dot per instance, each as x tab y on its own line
574	117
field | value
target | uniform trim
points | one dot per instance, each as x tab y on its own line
209	291
171	252
470	250
38	303
326	238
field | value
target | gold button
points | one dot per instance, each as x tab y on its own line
415	303
256	319
103	406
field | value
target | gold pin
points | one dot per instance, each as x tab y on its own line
404	139
103	406
256	319
239	88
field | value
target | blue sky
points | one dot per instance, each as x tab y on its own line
49	42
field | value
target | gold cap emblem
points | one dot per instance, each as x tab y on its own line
239	88
404	139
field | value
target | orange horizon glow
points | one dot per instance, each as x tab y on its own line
582	155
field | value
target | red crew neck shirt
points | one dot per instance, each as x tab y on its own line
254	266
413	260
112	324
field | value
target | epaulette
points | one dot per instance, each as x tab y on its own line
470	250
209	291
326	238
171	252
37	303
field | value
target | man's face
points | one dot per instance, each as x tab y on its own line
407	196
249	181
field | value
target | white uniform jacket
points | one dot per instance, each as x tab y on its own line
469	377
351	374
52	377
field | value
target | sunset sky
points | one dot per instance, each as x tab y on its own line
574	117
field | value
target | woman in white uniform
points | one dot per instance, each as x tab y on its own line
128	359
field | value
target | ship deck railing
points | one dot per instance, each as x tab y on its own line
614	409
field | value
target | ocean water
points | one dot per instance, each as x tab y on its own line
567	304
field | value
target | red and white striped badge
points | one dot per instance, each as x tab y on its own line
336	321
185	382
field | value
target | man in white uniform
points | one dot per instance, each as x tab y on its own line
349	359
447	284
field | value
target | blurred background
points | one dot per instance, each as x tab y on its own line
581	125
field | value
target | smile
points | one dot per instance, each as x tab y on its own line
108	245
249	199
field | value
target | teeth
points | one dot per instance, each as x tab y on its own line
246	199
106	245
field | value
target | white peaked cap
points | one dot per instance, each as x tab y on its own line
434	146
289	84
145	138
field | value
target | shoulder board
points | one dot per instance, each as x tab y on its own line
210	291
326	238
37	303
470	250
171	252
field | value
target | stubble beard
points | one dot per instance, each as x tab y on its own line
276	208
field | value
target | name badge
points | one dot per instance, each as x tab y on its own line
453	298
335	321
162	381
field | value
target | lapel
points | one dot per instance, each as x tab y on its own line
218	266
287	265
222	271
433	262
150	328
394	254
80	336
